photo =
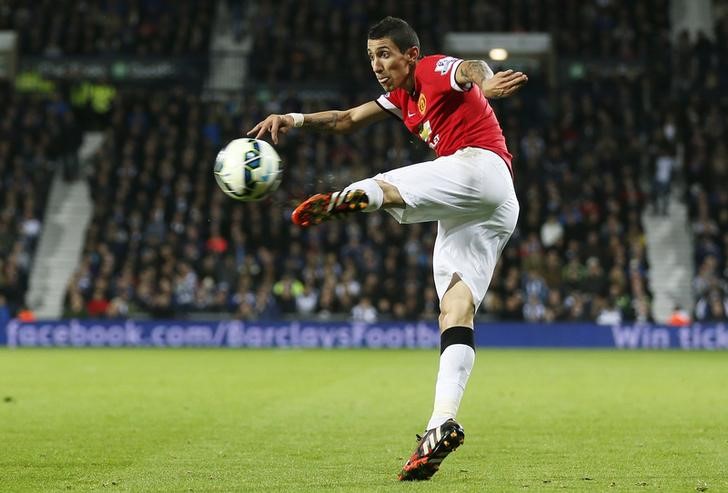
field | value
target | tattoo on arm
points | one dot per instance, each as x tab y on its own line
476	71
324	121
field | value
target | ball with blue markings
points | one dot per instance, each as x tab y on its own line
248	169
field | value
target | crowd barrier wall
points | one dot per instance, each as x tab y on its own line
394	335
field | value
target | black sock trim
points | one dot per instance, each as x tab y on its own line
457	335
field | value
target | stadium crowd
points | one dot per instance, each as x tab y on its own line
305	40
165	242
134	27
704	134
37	134
579	253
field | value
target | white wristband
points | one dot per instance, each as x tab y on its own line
297	119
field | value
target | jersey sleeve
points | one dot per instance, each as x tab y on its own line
391	103
442	70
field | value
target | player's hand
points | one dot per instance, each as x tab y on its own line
504	84
274	124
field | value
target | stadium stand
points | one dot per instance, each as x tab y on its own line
164	242
706	164
304	40
170	243
189	243
69	27
38	133
579	253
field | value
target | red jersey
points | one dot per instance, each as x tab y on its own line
445	115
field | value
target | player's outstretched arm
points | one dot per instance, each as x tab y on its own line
325	121
499	85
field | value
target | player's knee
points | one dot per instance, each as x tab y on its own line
456	312
392	197
441	319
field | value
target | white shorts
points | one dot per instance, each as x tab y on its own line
471	196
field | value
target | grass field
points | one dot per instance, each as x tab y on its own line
224	420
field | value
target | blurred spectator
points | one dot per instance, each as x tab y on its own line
679	317
364	311
551	231
664	165
712	307
286	291
555	308
161	306
606	311
534	309
306	301
576	307
75	306
25	314
98	305
640	310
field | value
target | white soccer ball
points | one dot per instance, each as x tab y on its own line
248	169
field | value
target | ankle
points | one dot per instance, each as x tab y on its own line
375	195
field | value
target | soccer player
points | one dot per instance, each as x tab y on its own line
468	189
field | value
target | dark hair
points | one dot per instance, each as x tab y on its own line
397	30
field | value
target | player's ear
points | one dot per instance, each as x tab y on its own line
412	54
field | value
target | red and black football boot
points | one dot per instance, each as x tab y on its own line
431	450
325	206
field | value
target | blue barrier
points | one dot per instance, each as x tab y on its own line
169	333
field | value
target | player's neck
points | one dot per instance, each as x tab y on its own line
409	83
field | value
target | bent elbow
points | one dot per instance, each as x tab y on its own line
344	123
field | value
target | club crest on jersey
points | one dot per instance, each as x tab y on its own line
443	64
422	104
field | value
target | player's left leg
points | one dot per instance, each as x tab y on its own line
457	356
457	351
464	258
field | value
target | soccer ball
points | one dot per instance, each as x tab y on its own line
248	169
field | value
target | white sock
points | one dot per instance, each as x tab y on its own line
456	363
372	189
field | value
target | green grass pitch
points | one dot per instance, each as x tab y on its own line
288	420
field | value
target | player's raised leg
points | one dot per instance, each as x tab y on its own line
366	195
457	356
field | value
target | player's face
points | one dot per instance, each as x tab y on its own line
391	67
